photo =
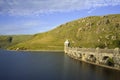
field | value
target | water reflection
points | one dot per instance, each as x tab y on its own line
49	66
78	70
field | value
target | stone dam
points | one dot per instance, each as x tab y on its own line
109	58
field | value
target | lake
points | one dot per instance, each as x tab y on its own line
21	65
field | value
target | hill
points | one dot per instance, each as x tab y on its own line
10	40
89	32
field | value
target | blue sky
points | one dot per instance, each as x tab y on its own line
36	16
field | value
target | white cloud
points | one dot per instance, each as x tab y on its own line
36	7
24	26
91	10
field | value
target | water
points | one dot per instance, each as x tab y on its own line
49	66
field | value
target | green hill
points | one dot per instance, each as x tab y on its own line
89	32
10	40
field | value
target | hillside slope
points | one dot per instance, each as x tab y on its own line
90	32
9	40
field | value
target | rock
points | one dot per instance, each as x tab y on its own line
103	29
107	36
117	25
89	24
104	16
99	40
83	20
106	21
98	23
113	37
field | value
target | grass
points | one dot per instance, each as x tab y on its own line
89	32
10	40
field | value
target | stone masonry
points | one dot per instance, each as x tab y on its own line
106	57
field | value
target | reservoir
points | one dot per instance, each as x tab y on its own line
40	65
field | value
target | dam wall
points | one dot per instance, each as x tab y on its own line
104	57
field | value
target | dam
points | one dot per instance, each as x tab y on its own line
109	58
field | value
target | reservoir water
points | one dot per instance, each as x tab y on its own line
20	65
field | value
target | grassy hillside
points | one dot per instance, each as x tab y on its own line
90	32
7	41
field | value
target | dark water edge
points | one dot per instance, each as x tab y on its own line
21	65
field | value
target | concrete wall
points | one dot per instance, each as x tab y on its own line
106	57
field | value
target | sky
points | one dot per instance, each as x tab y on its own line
36	16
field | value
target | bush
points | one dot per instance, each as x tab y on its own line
110	62
101	46
116	43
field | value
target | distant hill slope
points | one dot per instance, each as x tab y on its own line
90	32
10	40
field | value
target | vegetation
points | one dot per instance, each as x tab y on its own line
89	32
7	41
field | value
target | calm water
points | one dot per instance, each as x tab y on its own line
49	66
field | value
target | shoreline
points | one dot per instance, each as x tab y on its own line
40	50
